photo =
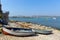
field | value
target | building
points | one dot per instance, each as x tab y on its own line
4	16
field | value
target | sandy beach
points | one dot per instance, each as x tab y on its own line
54	36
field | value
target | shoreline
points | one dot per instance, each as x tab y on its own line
36	24
54	36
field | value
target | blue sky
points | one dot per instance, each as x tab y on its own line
32	7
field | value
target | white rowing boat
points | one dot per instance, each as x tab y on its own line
18	31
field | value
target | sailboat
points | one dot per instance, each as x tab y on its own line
54	18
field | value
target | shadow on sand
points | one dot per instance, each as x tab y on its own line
24	36
46	34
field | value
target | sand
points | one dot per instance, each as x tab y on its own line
54	36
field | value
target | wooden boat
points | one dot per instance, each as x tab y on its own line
23	31
17	31
38	31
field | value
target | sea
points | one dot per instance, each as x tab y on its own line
46	21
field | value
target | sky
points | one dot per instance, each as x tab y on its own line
31	7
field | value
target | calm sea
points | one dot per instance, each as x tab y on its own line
47	21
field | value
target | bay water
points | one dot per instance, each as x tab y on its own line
46	21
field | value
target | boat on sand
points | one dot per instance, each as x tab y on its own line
23	31
46	32
18	31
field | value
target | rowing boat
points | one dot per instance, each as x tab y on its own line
17	31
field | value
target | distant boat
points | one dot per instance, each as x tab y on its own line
54	18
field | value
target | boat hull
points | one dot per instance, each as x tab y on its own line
9	32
